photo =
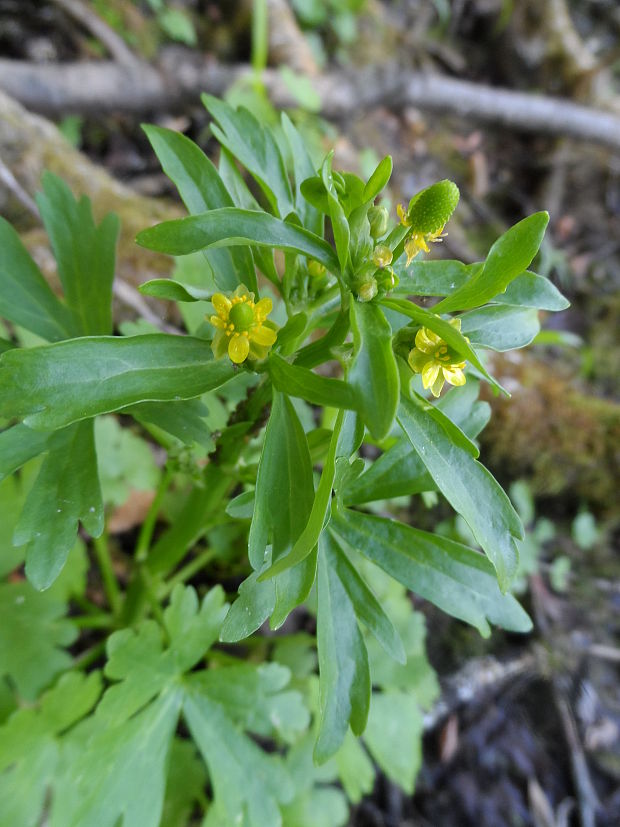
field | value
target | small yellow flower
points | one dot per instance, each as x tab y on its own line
418	241
437	362
242	329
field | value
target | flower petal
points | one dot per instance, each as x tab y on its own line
454	375
456	323
437	385
262	309
430	372
417	359
263	335
222	305
216	321
238	348
426	340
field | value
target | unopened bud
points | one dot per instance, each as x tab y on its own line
379	218
367	291
316	269
382	256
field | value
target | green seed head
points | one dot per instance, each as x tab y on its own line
242	316
431	209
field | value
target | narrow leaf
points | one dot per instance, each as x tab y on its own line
201	189
85	254
55	385
509	256
469	488
374	374
26	298
66	491
457	579
343	662
303	383
232	227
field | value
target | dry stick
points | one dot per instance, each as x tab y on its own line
479	678
115	44
12	184
96	87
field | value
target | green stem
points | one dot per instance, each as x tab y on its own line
189	570
100	621
110	584
260	40
148	526
84	660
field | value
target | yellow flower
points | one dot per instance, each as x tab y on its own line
418	241
242	329
437	363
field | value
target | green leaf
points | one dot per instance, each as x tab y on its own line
124	461
303	168
469	488
255	697
201	189
457	579
442	328
394	736
532	290
374	374
509	256
174	291
398	472
378	179
247	784
367	607
85	254
187	778
33	634
343	661
26	299
120	774
431	277
254	604
185	420
284	487
340	225
255	147
303	383
29	750
283	503
18	445
65	492
232	227
500	328
309	537
58	384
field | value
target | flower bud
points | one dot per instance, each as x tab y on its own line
379	219
316	269
430	210
382	256
367	291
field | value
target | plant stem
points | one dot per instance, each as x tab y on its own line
104	560
189	570
93	621
148	526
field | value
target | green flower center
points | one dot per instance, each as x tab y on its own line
242	316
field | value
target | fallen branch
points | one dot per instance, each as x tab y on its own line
87	18
99	87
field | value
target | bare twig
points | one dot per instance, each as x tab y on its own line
115	44
12	184
130	297
479	678
96	87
